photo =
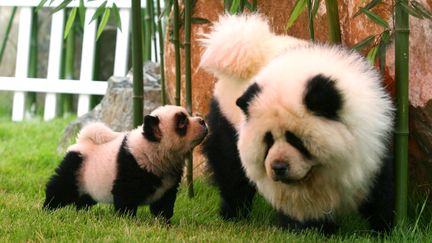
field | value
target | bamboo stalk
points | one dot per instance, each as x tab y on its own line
161	53
147	32
402	105
96	99
67	99
33	61
176	42
311	20
153	29
137	63
7	33
188	77
333	21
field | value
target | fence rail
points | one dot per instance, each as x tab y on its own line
52	85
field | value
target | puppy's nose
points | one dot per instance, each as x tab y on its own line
280	169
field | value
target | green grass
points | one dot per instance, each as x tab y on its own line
28	157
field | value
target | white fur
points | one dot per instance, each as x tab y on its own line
235	50
99	168
349	152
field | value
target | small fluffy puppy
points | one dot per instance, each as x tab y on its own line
128	169
308	124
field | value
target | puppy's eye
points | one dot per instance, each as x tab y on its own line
182	122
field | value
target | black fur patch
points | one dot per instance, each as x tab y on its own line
133	184
181	123
244	100
151	129
220	147
297	143
379	206
269	141
62	189
322	97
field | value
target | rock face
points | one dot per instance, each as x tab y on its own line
353	30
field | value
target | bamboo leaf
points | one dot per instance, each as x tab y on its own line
117	19
385	38
61	6
227	5
315	7
82	13
424	12
371	56
235	7
364	43
103	22
298	8
375	18
252	6
411	11
40	5
99	11
198	20
70	21
382	47
368	6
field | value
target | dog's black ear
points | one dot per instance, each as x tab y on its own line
322	97
244	100
151	129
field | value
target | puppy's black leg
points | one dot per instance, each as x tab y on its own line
379	206
327	226
84	202
61	188
165	205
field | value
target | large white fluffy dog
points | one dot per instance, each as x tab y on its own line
311	123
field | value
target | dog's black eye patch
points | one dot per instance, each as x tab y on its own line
151	129
244	100
269	141
297	143
322	97
181	123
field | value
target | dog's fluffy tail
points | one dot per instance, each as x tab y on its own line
236	45
240	45
96	133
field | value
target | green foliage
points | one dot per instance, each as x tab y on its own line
297	10
70	21
102	11
238	6
377	44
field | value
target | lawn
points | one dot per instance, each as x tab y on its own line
28	157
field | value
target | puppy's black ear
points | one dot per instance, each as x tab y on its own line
244	100
151	129
322	97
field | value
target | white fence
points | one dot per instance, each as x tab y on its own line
85	86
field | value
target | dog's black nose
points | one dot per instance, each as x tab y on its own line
280	169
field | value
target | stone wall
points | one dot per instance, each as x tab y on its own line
353	30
